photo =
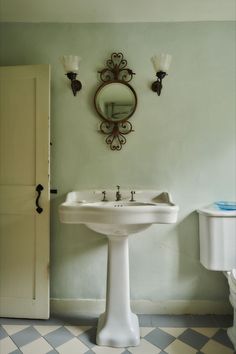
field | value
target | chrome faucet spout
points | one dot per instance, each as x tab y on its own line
118	194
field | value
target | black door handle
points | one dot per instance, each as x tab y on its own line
39	189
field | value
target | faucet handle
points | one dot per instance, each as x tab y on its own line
132	196
104	199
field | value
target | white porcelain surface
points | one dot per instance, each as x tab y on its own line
217	230
118	326
118	218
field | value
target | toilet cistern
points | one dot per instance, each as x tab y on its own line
217	233
118	326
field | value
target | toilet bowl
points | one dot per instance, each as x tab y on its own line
217	233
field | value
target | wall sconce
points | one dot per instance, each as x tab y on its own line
161	64
71	66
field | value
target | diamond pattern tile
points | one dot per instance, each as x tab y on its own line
107	350
178	347
3	333
175	332
77	330
89	337
193	338
169	335
222	337
145	347
58	337
43	330
12	329
73	346
159	338
213	347
208	332
39	346
7	345
145	330
25	336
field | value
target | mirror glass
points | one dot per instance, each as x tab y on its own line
115	101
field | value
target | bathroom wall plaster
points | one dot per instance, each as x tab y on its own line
184	141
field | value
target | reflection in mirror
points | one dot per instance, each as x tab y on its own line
115	101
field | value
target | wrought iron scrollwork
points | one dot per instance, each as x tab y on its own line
115	115
116	69
116	133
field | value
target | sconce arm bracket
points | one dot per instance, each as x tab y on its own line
75	84
157	85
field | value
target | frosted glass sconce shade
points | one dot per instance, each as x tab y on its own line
71	67
161	64
71	63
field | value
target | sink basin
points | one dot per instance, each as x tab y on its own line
118	326
118	217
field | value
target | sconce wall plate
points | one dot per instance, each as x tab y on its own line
115	101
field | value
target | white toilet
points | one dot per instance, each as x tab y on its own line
217	231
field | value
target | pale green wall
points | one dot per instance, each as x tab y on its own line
184	141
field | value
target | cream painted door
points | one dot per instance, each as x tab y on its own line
24	163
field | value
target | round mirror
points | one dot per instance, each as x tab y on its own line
115	101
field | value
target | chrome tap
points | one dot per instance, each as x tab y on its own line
118	195
132	196
104	199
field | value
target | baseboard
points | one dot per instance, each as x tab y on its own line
93	307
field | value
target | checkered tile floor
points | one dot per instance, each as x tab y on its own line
159	335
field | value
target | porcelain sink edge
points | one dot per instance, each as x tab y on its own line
145	196
150	207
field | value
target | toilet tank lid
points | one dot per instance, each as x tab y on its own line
214	210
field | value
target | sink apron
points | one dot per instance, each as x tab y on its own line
118	326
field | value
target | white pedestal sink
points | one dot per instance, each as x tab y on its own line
118	326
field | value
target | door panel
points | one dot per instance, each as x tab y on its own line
17	134
24	163
13	263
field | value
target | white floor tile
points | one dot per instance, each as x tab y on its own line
178	347
175	332
12	329
77	330
43	330
144	348
7	346
38	346
74	346
213	347
145	330
107	350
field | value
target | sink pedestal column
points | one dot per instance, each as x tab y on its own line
118	326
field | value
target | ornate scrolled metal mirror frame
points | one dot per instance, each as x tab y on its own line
115	101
